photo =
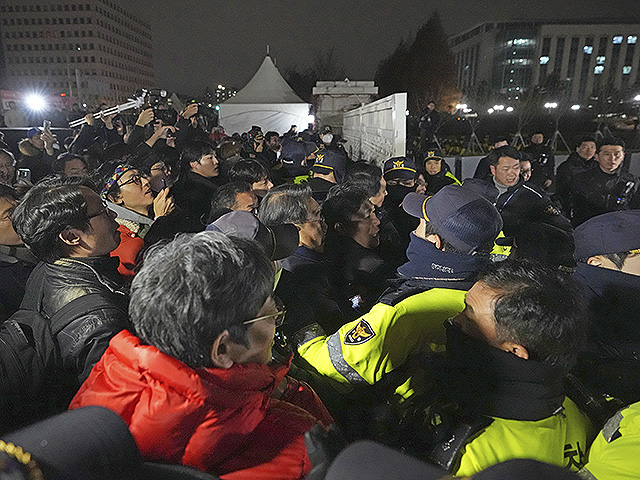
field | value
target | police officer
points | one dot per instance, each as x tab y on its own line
542	161
583	159
606	188
520	202
450	246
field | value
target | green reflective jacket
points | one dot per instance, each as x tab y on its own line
401	324
615	453
560	439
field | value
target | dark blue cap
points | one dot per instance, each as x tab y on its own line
462	217
328	161
613	232
400	167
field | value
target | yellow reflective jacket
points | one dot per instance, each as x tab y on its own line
615	453
400	324
561	439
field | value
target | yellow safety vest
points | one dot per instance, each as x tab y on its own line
615	453
364	350
560	439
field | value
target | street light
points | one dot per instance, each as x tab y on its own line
575	107
509	109
498	107
35	102
490	111
551	105
637	98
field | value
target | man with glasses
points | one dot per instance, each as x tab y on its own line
195	385
76	287
304	284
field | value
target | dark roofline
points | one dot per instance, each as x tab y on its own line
613	21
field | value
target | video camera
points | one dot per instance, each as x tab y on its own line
159	101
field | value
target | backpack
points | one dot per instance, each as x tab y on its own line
33	384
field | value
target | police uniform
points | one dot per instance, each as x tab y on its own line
614	452
523	203
596	192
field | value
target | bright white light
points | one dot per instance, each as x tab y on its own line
461	106
637	98
509	109
490	110
311	119
35	103
498	107
575	107
551	105
467	110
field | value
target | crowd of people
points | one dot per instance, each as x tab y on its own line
239	299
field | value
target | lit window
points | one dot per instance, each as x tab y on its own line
617	39
631	39
588	49
598	70
600	60
626	70
544	60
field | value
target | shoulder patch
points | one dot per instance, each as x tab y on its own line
359	334
551	210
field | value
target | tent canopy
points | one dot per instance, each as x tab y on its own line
267	100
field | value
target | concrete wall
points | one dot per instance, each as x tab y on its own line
336	98
377	131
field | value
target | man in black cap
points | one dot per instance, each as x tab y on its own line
608	256
400	174
607	187
329	169
437	172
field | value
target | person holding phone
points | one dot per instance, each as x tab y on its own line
38	152
128	194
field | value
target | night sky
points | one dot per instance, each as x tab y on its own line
205	42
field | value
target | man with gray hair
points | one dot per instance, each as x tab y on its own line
304	284
195	385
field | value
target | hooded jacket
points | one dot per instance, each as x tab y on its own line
222	421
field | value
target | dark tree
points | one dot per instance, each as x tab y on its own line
424	69
324	67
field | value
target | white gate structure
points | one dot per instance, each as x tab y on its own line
378	130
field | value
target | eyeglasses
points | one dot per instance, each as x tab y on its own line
136	178
104	211
279	315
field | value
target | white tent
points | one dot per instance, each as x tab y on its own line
267	101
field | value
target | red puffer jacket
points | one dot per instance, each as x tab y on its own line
217	420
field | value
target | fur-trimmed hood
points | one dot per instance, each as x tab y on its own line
28	149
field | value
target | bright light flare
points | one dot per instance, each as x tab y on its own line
551	105
509	109
575	107
35	102
637	98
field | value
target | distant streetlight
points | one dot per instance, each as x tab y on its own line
461	106
35	102
575	107
490	110
637	98
498	107
509	109
551	105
